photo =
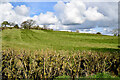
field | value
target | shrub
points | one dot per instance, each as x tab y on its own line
16	26
98	33
77	31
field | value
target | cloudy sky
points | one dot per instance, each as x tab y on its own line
88	17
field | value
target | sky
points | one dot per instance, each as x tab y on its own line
87	17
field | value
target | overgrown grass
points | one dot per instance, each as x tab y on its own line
99	76
56	40
102	75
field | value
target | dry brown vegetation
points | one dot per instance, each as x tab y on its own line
50	64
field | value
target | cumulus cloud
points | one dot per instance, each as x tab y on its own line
47	18
70	13
21	13
9	14
82	15
22	10
75	12
5	10
92	14
109	9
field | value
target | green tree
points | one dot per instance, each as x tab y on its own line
27	24
98	33
4	23
16	26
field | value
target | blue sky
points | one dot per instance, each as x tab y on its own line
37	7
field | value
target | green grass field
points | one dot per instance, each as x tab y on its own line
56	40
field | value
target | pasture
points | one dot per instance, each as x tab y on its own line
56	40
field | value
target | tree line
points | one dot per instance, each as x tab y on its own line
5	23
28	24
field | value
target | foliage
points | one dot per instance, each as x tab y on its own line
98	33
4	23
97	75
62	77
16	26
101	75
24	64
27	24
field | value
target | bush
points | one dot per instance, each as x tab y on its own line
9	27
77	31
2	28
16	26
101	75
98	33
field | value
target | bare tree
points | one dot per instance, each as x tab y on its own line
12	24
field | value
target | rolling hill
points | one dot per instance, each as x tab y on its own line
57	40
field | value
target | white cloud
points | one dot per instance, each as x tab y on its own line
102	30
21	13
95	14
92	14
75	12
48	18
6	11
10	15
22	10
71	12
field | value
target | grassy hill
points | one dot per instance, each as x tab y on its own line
56	40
